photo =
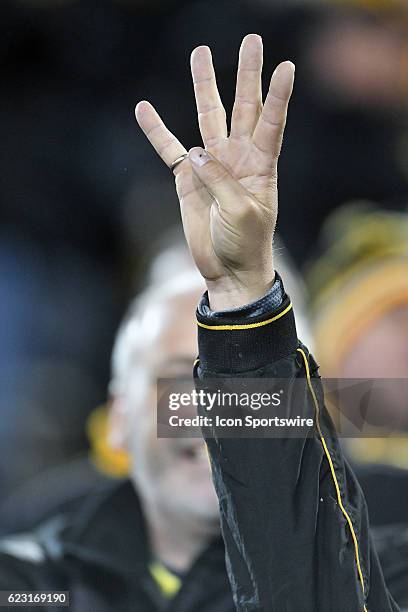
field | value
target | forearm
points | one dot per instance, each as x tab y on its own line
293	517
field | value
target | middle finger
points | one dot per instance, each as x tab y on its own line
248	95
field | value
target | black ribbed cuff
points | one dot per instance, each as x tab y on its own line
240	344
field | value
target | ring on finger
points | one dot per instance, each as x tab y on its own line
178	161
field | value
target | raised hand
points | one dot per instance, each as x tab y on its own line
228	191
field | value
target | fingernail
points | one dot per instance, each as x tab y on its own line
288	63
199	156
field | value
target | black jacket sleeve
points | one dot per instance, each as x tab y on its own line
293	516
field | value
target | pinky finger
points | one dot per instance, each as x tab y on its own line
268	133
163	141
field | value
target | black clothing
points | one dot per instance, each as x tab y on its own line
100	553
293	516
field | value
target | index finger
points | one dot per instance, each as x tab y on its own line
160	137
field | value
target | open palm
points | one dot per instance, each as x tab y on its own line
230	215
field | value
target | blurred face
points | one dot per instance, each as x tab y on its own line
359	63
171	474
381	352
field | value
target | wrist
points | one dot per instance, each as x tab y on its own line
232	292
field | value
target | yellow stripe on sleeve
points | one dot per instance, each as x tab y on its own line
245	325
333	472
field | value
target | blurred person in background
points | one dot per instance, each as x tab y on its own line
359	316
364	252
135	543
348	135
170	489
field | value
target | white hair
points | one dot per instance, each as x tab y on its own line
141	323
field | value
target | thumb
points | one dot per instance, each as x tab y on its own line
225	189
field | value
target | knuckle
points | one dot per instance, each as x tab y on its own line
165	145
211	141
